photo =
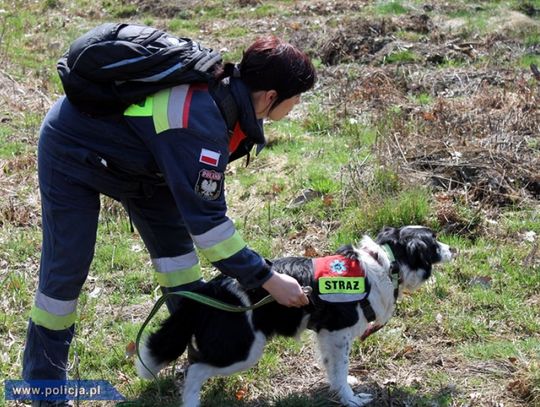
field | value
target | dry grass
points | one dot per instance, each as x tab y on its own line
474	140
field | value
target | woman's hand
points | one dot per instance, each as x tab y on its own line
286	290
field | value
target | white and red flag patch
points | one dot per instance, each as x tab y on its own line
209	157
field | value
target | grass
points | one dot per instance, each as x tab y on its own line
391	7
526	60
326	178
401	57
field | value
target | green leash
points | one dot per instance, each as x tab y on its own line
203	299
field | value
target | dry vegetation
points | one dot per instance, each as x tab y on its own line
455	108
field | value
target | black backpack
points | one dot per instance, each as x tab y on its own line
115	65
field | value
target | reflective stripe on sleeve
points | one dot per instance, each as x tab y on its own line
144	109
214	235
179	270
160	110
225	249
171	108
220	242
52	313
175	110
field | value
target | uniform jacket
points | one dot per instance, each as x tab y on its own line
176	137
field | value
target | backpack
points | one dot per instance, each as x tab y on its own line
116	65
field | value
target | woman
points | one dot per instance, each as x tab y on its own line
164	159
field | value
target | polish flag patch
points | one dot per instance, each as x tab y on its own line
209	157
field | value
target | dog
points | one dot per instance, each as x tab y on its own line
341	308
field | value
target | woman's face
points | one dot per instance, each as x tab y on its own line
263	101
283	109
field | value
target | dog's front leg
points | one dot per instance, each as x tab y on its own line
197	374
335	347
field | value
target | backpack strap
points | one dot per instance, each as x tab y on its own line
226	104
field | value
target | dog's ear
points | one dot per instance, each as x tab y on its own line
388	235
347	251
416	248
421	253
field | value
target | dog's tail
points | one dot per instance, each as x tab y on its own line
168	342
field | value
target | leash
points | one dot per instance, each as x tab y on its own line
205	300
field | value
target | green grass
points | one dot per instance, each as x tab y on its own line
502	349
526	60
401	57
391	7
423	99
11	149
183	27
480	310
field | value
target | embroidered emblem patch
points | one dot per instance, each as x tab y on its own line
209	157
338	267
209	184
339	279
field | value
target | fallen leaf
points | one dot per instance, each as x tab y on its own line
95	292
439	319
429	116
309	251
295	25
519	388
241	393
328	200
276	188
305	196
131	349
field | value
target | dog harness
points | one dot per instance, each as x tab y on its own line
340	279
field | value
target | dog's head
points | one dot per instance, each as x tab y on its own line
415	249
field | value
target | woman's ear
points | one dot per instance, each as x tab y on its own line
263	100
271	96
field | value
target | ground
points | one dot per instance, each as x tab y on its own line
435	94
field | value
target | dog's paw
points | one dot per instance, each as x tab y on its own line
352	381
359	400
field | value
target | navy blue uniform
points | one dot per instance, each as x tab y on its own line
165	160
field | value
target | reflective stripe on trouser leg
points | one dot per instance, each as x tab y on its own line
53	314
177	273
167	239
179	270
50	331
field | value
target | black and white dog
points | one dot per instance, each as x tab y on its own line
223	343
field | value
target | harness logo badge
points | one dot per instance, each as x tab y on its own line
209	157
340	279
209	184
338	267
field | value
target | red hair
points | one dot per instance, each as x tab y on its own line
272	64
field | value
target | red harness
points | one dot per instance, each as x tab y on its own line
342	279
339	278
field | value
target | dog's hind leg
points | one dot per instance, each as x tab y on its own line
335	347
148	365
198	373
168	342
